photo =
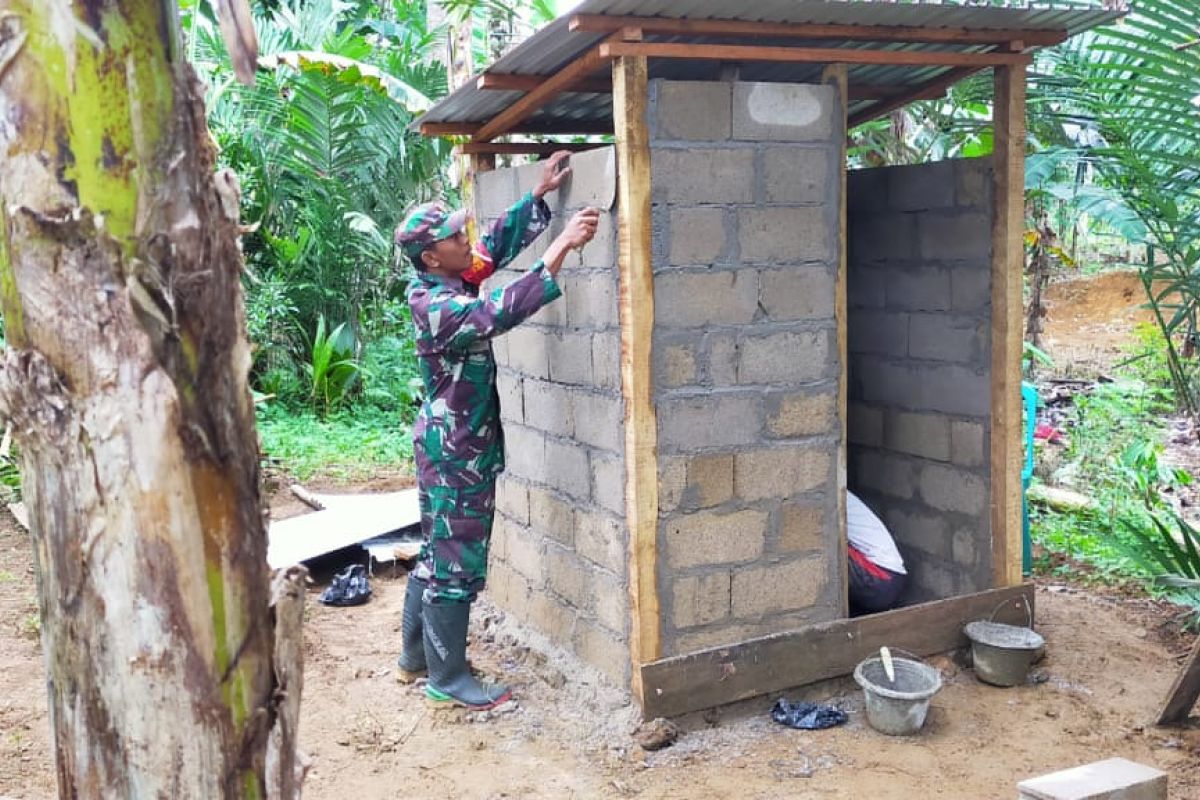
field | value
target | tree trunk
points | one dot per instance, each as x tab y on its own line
126	381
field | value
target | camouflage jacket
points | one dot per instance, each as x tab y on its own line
457	438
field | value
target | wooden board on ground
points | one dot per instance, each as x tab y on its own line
20	514
346	521
1184	692
674	686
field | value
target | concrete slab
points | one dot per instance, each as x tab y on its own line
1113	779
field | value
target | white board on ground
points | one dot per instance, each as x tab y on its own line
347	520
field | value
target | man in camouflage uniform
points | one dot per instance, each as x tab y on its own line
457	440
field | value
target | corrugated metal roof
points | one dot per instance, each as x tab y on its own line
555	46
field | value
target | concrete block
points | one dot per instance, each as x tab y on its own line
507	587
672	478
606	360
782	472
924	435
801	528
971	287
698	175
608	482
721	368
918	289
591	300
511	390
952	489
551	515
964	547
500	350
676	364
929	579
700	600
797	293
697	299
512	499
527	176
550	616
791	112
865	287
924	531
548	407
691	110
566	576
973	183
603	650
874	237
885	382
966	443
888	475
952	389
554	315
785	358
865	425
1111	779
952	237
593	180
922	187
878	332
945	337
524	554
690	424
601	251
714	537
610	603
495	191
787	586
570	358
867	189
711	636
697	236
601	539
524	452
527	352
567	469
708	481
599	420
801	414
786	234
797	175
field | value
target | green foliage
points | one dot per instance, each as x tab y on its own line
353	444
334	370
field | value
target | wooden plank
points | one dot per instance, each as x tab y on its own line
346	521
20	514
566	127
636	305
1184	692
550	88
722	675
839	75
809	55
495	81
1008	263
929	90
528	148
595	23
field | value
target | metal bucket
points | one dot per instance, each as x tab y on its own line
1002	654
897	708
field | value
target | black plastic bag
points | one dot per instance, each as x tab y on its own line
806	716
348	588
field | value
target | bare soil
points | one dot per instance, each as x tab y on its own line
1110	661
1090	320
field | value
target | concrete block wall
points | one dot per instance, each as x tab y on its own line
919	301
745	217
560	547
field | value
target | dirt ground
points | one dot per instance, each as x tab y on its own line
1110	661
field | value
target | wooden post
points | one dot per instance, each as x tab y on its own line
1008	261
637	330
1184	692
838	75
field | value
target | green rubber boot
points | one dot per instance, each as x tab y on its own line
450	680
411	662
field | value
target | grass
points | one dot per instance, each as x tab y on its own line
351	445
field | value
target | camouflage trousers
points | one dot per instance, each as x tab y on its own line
457	528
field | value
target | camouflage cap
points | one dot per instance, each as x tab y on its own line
427	224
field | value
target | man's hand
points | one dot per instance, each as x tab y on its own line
579	231
553	174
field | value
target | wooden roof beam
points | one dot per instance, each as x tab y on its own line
563	128
597	23
526	148
930	90
527	83
810	55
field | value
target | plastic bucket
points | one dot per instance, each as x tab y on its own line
1002	654
898	707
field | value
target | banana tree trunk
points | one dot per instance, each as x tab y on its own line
126	382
